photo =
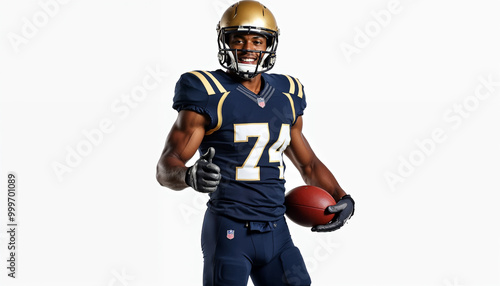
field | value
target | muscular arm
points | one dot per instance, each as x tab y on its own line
313	171
182	142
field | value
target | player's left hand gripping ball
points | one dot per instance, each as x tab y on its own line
343	210
204	176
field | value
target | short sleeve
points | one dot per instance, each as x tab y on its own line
300	101
190	95
296	91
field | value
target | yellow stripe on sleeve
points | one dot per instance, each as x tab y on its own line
205	82
217	83
219	114
291	104
301	93
292	85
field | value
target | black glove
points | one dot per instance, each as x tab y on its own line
343	210
204	176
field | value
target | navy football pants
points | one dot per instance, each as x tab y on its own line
234	250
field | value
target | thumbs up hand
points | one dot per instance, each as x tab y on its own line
204	176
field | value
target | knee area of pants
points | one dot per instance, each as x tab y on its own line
231	273
294	268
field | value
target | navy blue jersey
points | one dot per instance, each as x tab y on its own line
249	133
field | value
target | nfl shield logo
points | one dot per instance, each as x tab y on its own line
230	234
261	102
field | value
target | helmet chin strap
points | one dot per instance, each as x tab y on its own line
247	71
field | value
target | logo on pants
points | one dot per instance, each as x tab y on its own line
230	234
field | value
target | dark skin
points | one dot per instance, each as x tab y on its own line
189	129
248	42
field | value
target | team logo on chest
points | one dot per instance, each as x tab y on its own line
230	234
261	102
260	99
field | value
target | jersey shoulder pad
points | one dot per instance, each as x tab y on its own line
287	84
190	93
292	88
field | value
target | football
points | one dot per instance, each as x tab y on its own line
305	205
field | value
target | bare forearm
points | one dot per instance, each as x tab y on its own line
182	142
171	176
317	174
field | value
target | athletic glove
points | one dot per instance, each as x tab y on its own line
204	176
343	210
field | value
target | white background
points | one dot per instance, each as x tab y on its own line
107	221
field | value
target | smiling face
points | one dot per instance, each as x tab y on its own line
246	44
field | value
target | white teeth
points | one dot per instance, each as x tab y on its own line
247	60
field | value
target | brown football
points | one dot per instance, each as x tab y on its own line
305	205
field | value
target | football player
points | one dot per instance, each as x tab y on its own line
241	120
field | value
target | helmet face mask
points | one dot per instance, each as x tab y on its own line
228	57
247	17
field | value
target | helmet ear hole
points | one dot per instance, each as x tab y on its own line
269	61
221	57
224	58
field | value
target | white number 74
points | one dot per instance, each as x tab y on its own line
249	171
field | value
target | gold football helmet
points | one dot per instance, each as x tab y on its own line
250	17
